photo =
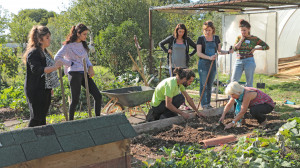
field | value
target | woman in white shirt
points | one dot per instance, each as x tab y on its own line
72	53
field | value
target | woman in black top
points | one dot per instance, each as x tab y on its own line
41	74
208	45
179	44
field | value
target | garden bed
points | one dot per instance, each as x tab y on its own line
147	146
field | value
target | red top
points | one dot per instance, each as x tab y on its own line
261	98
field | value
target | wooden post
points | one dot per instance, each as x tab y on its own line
63	94
137	67
160	63
138	52
150	42
87	88
211	64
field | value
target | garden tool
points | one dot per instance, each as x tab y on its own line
217	91
211	64
87	88
230	64
63	94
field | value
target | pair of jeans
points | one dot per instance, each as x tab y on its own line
203	68
259	111
76	79
161	111
248	65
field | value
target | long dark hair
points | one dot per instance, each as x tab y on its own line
72	36
183	73
180	26
36	33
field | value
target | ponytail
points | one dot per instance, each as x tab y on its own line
179	72
72	36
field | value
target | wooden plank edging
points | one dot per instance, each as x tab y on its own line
161	124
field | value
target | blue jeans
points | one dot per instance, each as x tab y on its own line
248	65
203	68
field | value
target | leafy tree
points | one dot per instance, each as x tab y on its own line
59	27
114	43
19	29
8	63
40	16
3	24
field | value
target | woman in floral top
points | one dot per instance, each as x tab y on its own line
257	101
245	47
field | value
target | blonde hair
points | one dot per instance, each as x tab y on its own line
234	88
36	33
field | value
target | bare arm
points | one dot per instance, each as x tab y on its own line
202	55
227	108
223	52
238	45
171	107
50	69
246	100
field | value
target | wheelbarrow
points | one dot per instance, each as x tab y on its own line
131	97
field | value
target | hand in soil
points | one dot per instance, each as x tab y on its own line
199	114
228	126
221	119
185	115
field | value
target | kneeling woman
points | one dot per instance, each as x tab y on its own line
259	103
167	98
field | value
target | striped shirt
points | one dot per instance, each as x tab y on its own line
248	44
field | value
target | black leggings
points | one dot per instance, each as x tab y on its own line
259	111
39	104
76	79
161	111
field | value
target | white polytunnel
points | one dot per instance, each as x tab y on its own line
279	29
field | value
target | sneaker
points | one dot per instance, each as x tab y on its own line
150	115
206	107
263	124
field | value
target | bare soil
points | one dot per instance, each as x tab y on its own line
147	146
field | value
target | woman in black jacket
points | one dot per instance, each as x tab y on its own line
41	75
179	44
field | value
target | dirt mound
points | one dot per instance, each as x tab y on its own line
147	146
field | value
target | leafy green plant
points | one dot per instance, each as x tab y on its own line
248	152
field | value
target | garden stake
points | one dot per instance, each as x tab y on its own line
138	51
170	65
87	88
63	94
137	67
211	64
230	63
160	63
217	90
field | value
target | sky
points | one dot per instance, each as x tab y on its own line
14	6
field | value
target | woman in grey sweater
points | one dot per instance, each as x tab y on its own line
72	53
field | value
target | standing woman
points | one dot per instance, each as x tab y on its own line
178	48
72	53
245	47
41	75
207	46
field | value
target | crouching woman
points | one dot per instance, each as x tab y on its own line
259	103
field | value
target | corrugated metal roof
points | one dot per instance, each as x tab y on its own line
229	6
